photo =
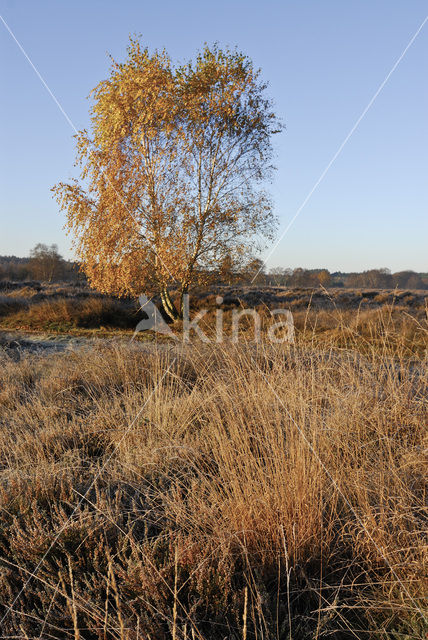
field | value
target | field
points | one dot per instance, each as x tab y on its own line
349	317
155	490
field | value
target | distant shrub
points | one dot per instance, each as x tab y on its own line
9	305
382	297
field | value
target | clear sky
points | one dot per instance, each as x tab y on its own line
324	62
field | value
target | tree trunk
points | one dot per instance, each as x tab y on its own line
168	305
184	292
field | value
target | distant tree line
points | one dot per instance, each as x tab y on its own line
255	272
45	264
383	279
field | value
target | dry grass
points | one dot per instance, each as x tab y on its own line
215	492
64	314
333	313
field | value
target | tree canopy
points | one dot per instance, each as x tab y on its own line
173	171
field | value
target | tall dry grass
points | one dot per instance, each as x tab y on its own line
226	491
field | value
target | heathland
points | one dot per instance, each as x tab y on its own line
154	489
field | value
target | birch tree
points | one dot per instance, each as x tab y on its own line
173	172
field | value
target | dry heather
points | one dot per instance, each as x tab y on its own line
213	492
334	314
64	314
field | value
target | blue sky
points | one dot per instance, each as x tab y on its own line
324	62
